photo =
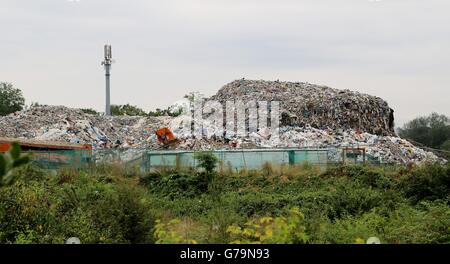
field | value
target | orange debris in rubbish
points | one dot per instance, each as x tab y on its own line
165	136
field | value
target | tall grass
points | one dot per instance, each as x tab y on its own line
111	203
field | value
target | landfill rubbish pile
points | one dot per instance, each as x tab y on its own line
386	149
313	117
59	123
321	107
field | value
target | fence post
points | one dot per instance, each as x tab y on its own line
291	154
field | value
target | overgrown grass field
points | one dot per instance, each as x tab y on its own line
278	204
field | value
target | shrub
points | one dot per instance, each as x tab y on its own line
166	233
260	203
166	112
108	204
372	176
428	223
89	111
218	219
177	183
350	229
429	182
10	161
207	161
127	110
11	99
342	197
30	172
52	209
196	207
269	230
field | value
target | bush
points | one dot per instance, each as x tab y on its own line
127	110
371	176
218	219
258	204
9	162
350	229
166	233
270	230
175	183
108	204
352	198
166	112
445	147
196	207
71	203
428	223
30	172
11	99
90	111
207	161
185	183
429	182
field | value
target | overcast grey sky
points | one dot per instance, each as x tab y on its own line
395	49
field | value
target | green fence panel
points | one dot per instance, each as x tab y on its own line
61	158
233	159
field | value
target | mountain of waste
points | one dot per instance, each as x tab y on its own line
322	107
59	123
312	117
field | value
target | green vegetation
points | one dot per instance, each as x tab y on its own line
127	110
131	110
269	230
10	161
102	206
277	204
165	112
207	161
11	99
36	104
432	131
89	111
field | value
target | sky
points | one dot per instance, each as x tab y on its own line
398	50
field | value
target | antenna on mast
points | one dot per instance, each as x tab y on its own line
107	63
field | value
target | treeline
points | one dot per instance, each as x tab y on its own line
12	100
131	110
431	131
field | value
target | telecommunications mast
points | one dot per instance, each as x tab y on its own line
107	63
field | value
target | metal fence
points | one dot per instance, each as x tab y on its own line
230	159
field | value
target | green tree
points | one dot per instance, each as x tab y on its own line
127	110
166	112
432	131
446	148
11	99
89	111
207	161
157	112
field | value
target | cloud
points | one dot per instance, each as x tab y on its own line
54	48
